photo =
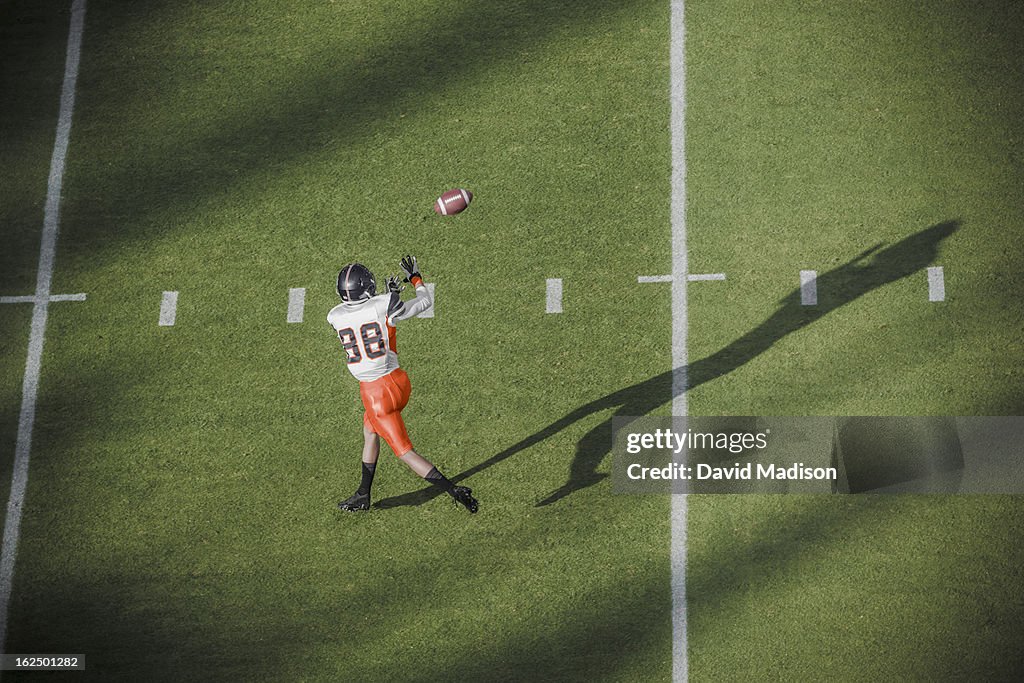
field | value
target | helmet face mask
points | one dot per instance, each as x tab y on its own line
356	283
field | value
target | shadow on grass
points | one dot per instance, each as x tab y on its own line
607	635
332	103
790	538
141	628
869	270
130	627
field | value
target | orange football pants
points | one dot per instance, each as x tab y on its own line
384	399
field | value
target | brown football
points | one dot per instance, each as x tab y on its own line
453	201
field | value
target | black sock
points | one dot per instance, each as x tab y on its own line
439	480
367	482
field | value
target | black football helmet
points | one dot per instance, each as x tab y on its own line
356	283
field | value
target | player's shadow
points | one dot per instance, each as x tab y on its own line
867	271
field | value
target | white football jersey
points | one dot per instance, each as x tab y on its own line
367	331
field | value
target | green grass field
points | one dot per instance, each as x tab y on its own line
180	519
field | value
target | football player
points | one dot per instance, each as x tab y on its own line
365	322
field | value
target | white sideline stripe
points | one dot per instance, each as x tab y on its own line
680	267
429	313
643	279
936	284
44	279
704	277
296	304
168	309
554	304
808	287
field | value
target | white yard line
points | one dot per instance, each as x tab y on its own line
67	297
554	296
168	309
32	299
677	95
936	284
296	304
44	278
693	277
808	287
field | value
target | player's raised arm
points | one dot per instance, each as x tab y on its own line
411	269
422	301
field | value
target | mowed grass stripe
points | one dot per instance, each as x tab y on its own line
33	41
198	476
823	161
868	142
47	255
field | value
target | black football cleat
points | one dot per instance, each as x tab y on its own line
464	496
357	503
